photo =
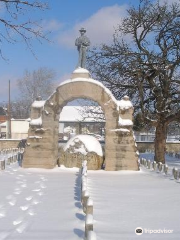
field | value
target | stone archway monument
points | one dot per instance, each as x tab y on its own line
120	147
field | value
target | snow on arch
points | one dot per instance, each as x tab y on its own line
89	144
118	116
95	82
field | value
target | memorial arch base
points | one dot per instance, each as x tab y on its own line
120	147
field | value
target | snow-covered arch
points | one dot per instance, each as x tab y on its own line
120	147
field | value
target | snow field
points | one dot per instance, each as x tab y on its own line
46	204
40	204
125	200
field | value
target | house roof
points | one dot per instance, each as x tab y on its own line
75	114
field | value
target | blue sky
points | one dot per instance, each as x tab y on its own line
64	19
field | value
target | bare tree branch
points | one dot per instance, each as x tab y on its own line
14	26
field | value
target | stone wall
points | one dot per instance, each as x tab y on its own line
170	146
69	160
9	143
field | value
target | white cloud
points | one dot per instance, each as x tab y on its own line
100	26
51	25
63	78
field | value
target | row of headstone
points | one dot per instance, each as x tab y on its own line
159	167
87	204
149	150
9	156
172	154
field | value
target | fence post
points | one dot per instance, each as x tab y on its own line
89	208
160	166
175	173
91	235
85	199
154	165
88	224
8	161
2	164
149	164
166	169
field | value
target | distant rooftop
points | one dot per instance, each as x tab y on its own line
74	114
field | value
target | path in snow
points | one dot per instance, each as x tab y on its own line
126	200
40	204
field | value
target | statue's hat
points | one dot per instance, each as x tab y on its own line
82	30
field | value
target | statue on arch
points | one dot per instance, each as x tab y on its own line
82	44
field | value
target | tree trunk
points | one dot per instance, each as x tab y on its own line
160	142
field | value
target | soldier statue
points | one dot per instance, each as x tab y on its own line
82	44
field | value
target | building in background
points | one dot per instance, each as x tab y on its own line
73	122
19	129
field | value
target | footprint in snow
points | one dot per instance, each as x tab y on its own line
12	202
24	208
35	202
18	221
42	186
40	193
24	185
31	212
44	179
29	198
36	190
20	175
17	192
22	228
2	214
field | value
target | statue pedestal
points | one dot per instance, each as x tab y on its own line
80	73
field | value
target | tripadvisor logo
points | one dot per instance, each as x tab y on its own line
139	231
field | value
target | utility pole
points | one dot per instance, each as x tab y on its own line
9	113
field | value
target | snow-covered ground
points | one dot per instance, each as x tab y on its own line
40	204
126	200
45	204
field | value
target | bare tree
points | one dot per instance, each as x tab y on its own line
145	65
31	86
90	110
17	24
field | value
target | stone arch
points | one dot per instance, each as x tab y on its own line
120	148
